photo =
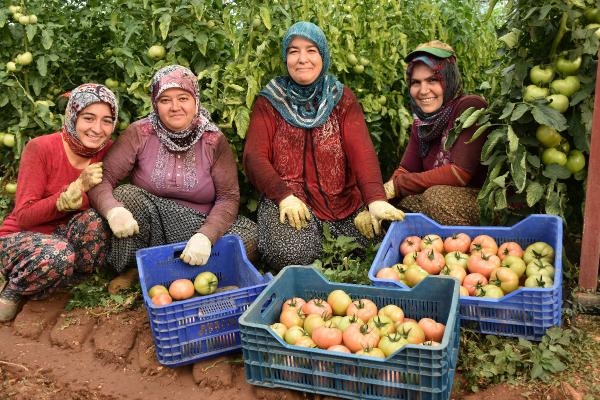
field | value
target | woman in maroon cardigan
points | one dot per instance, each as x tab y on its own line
309	153
442	183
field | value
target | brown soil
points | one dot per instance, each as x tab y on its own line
48	353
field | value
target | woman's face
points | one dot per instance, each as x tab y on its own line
176	109
426	90
304	62
94	125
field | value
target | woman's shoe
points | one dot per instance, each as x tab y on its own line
124	281
10	304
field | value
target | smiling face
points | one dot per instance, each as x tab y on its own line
176	109
304	62
425	89
94	125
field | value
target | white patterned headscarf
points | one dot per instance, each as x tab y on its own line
81	97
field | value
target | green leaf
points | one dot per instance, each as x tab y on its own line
534	193
164	24
508	109
265	14
47	38
242	121
545	115
519	111
480	131
42	65
518	169
492	140
513	142
555	171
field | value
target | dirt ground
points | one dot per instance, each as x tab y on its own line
48	353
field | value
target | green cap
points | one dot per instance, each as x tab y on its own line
435	48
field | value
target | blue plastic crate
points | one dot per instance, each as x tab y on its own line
526	312
203	326
413	372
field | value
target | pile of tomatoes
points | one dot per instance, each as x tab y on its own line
482	266
357	326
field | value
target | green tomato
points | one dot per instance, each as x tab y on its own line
391	343
567	86
534	92
559	102
156	52
25	58
575	161
516	264
112	84
364	61
206	283
540	267
352	59
539	281
33	19
359	68
538	251
8	140
592	15
548	136
541	75
10	187
24	20
554	156
11	66
568	67
490	290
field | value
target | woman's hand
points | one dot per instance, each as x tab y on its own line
121	222
71	199
381	210
390	191
367	225
295	211
91	176
197	250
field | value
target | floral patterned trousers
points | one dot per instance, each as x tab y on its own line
35	264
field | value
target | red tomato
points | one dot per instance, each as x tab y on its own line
317	306
410	244
295	303
433	329
484	263
327	336
484	243
339	347
292	317
181	289
431	261
474	280
388	273
432	241
510	249
360	336
162	299
363	309
457	242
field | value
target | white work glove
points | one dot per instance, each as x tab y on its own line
197	250
91	176
71	199
381	210
367	225
390	191
121	222
295	211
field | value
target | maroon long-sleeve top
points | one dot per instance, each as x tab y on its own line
333	168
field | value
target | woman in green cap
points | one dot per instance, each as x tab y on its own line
309	153
442	183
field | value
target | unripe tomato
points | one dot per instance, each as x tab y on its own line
548	136
25	58
339	301
559	102
568	67
575	161
11	66
8	140
156	52
540	74
554	156
359	68
10	187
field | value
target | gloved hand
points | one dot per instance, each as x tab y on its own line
390	191
121	222
71	199
295	211
381	210
91	176
367	225
197	250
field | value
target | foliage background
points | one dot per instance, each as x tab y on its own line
234	48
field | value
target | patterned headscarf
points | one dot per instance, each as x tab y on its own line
306	106
431	126
176	76
81	97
